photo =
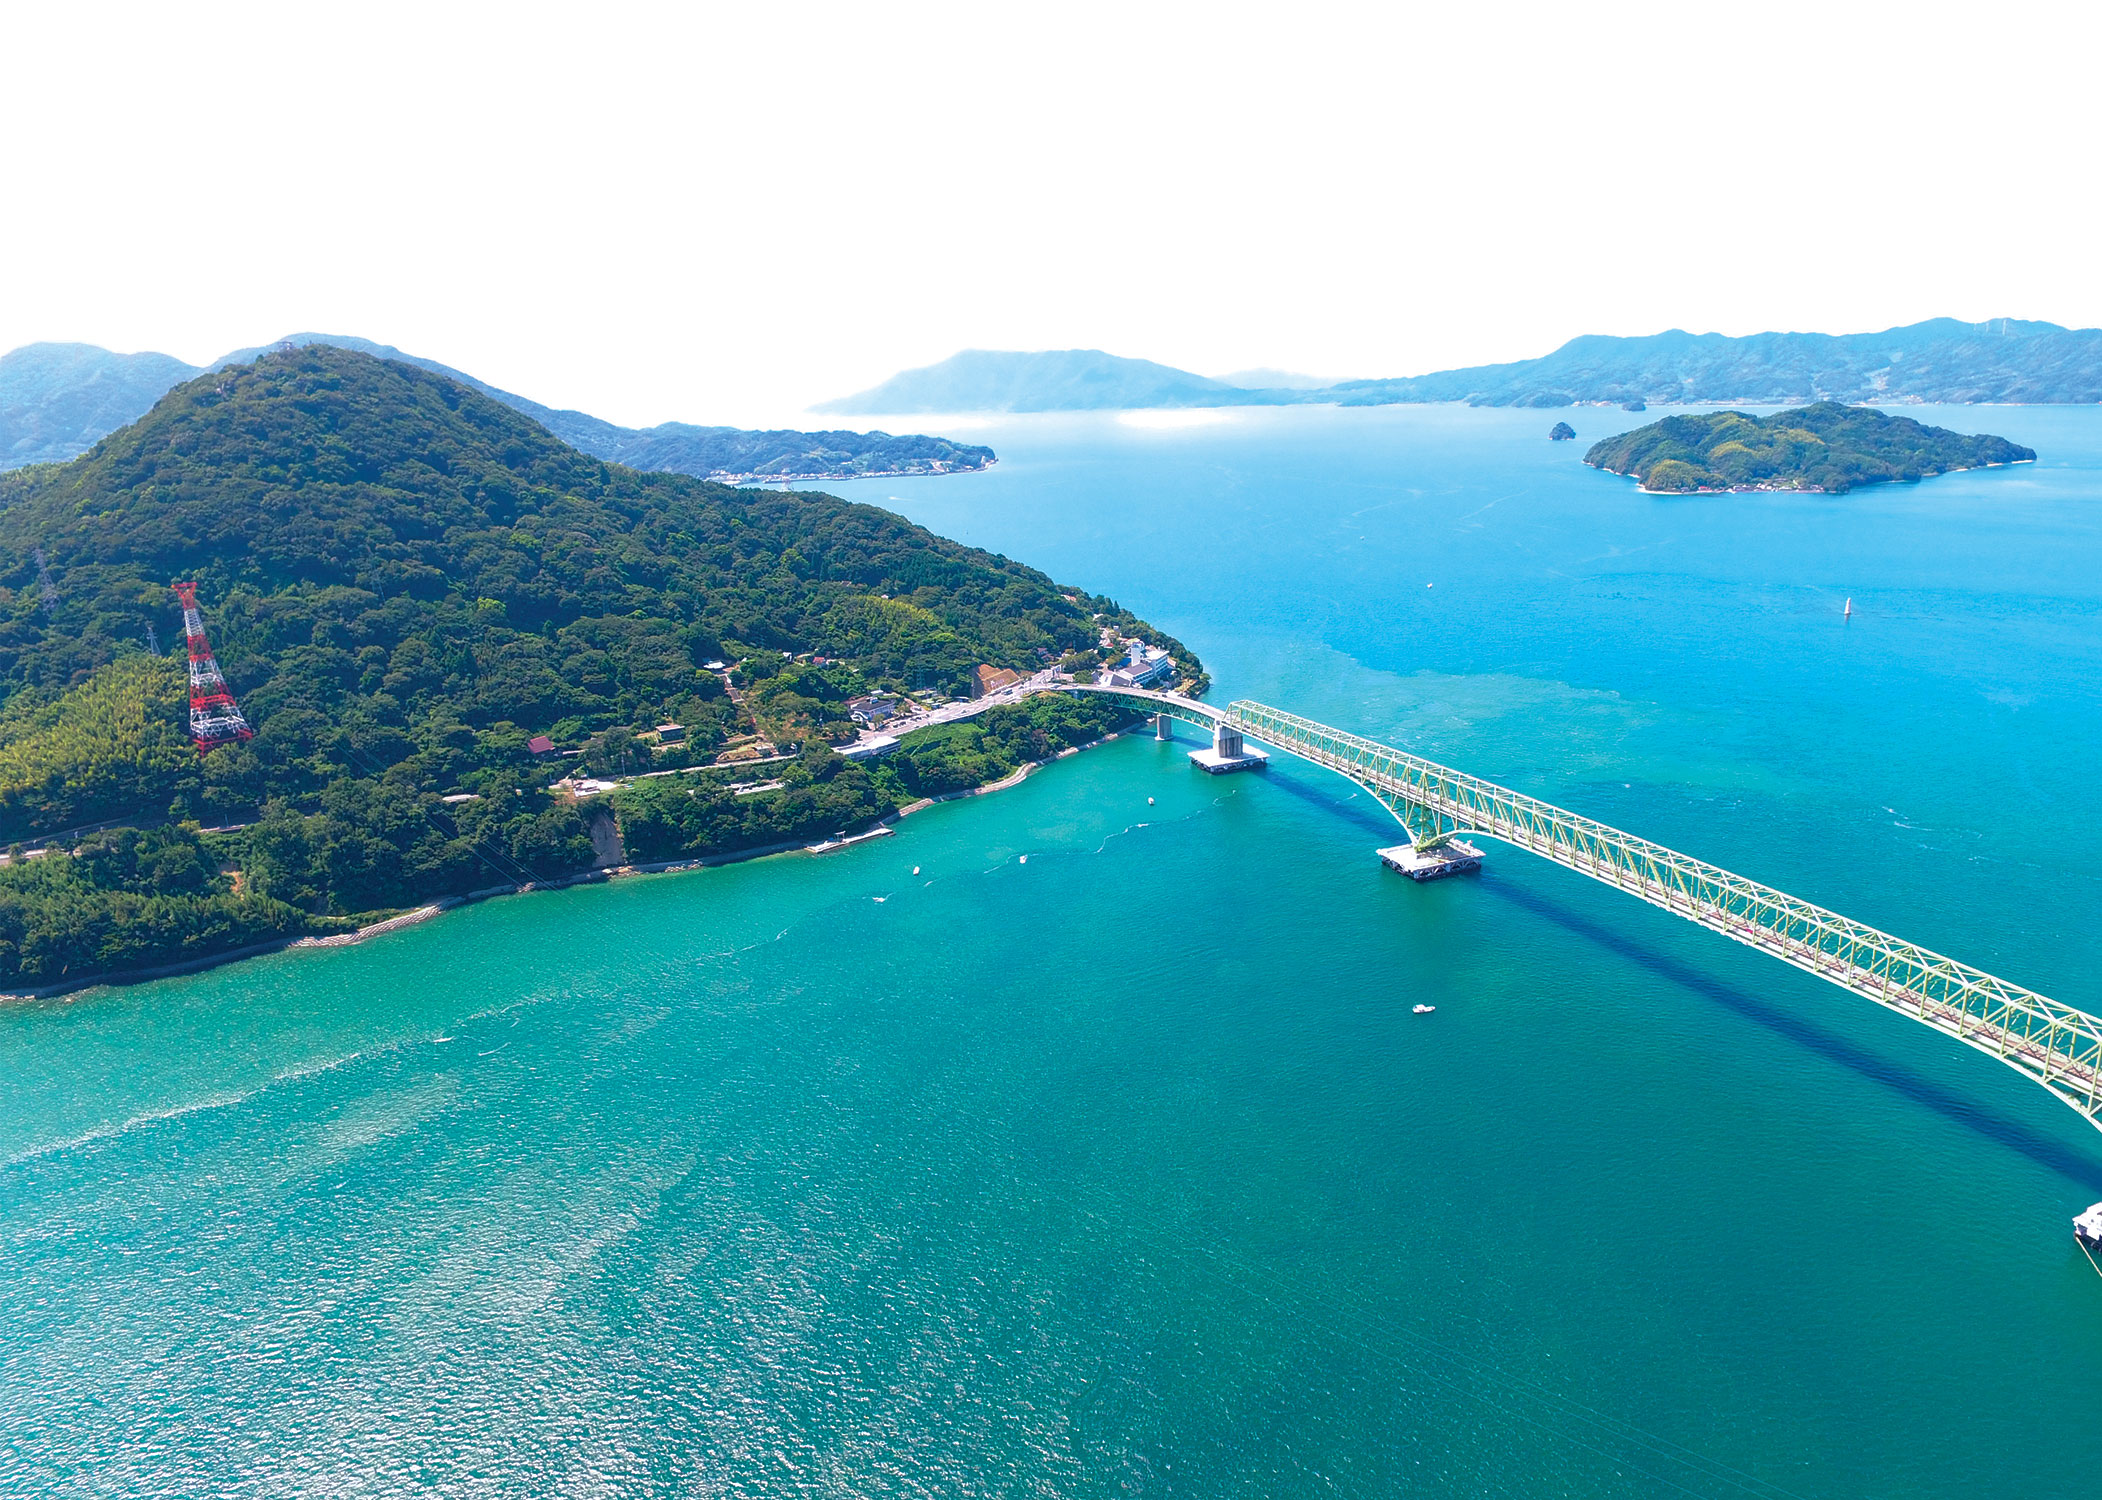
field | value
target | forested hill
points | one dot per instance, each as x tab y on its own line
58	400
405	581
731	454
1825	447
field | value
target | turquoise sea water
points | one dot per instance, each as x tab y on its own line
1128	1169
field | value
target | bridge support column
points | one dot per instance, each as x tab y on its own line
1227	753
1161	729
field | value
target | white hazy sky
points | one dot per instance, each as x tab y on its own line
722	213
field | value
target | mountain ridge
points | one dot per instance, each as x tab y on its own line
58	400
1938	361
1046	380
53	394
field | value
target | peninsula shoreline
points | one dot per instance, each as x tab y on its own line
124	978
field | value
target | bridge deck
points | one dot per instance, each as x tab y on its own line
2052	1044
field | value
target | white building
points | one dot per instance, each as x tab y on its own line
1143	666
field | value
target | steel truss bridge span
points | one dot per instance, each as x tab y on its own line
2051	1044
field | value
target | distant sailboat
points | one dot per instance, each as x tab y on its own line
1848	612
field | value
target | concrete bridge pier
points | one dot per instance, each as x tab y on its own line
1227	753
1449	856
1162	729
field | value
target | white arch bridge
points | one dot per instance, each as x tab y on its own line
2049	1043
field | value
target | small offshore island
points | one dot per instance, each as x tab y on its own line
1826	448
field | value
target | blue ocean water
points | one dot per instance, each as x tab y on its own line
1128	1169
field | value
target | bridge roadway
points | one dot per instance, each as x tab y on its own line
2049	1043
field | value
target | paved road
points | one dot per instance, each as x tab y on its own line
949	713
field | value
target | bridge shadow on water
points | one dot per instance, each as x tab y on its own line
2066	1160
2082	1167
1339	799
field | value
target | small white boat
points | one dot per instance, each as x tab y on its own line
1149	802
1424	1010
2088	1227
915	869
1848	612
1025	859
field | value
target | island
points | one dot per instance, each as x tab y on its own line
473	658
1824	448
1561	432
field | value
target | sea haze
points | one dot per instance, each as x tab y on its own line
1130	1168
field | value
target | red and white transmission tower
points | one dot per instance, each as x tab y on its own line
215	719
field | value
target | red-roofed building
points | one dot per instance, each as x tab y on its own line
991	679
540	744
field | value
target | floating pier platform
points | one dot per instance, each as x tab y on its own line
1227	753
1219	765
1453	857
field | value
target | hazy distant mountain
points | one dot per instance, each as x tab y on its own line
1051	380
1941	360
59	400
1277	380
727	453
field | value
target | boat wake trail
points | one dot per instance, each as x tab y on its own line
101	1135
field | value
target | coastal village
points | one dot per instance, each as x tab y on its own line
879	719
